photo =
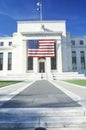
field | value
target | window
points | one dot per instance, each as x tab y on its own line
73	42
82	57
1	43
74	63
53	59
9	60
10	43
81	42
30	63
53	63
1	61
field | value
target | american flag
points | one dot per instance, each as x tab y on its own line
41	48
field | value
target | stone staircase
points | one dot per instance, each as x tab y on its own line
24	77
50	119
68	75
39	76
19	77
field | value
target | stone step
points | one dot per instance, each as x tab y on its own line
56	77
58	112
68	75
31	76
47	122
25	118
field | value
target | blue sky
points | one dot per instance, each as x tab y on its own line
73	11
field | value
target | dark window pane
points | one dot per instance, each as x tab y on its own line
10	43
53	63
81	42
82	59
73	42
30	63
1	61
74	62
9	61
1	43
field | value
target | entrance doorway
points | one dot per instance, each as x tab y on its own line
41	67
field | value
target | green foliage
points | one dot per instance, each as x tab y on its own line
6	83
78	82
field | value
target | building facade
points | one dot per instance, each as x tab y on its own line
69	53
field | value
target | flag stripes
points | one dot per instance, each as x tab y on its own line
41	48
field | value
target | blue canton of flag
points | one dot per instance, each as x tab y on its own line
33	44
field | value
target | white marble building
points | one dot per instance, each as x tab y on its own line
70	52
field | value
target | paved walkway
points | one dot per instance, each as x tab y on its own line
76	92
42	93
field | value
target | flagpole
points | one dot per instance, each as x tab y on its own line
41	11
39	4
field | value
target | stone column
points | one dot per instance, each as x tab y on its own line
48	66
69	56
59	56
24	57
35	65
78	60
5	62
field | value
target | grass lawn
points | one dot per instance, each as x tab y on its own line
78	82
5	83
